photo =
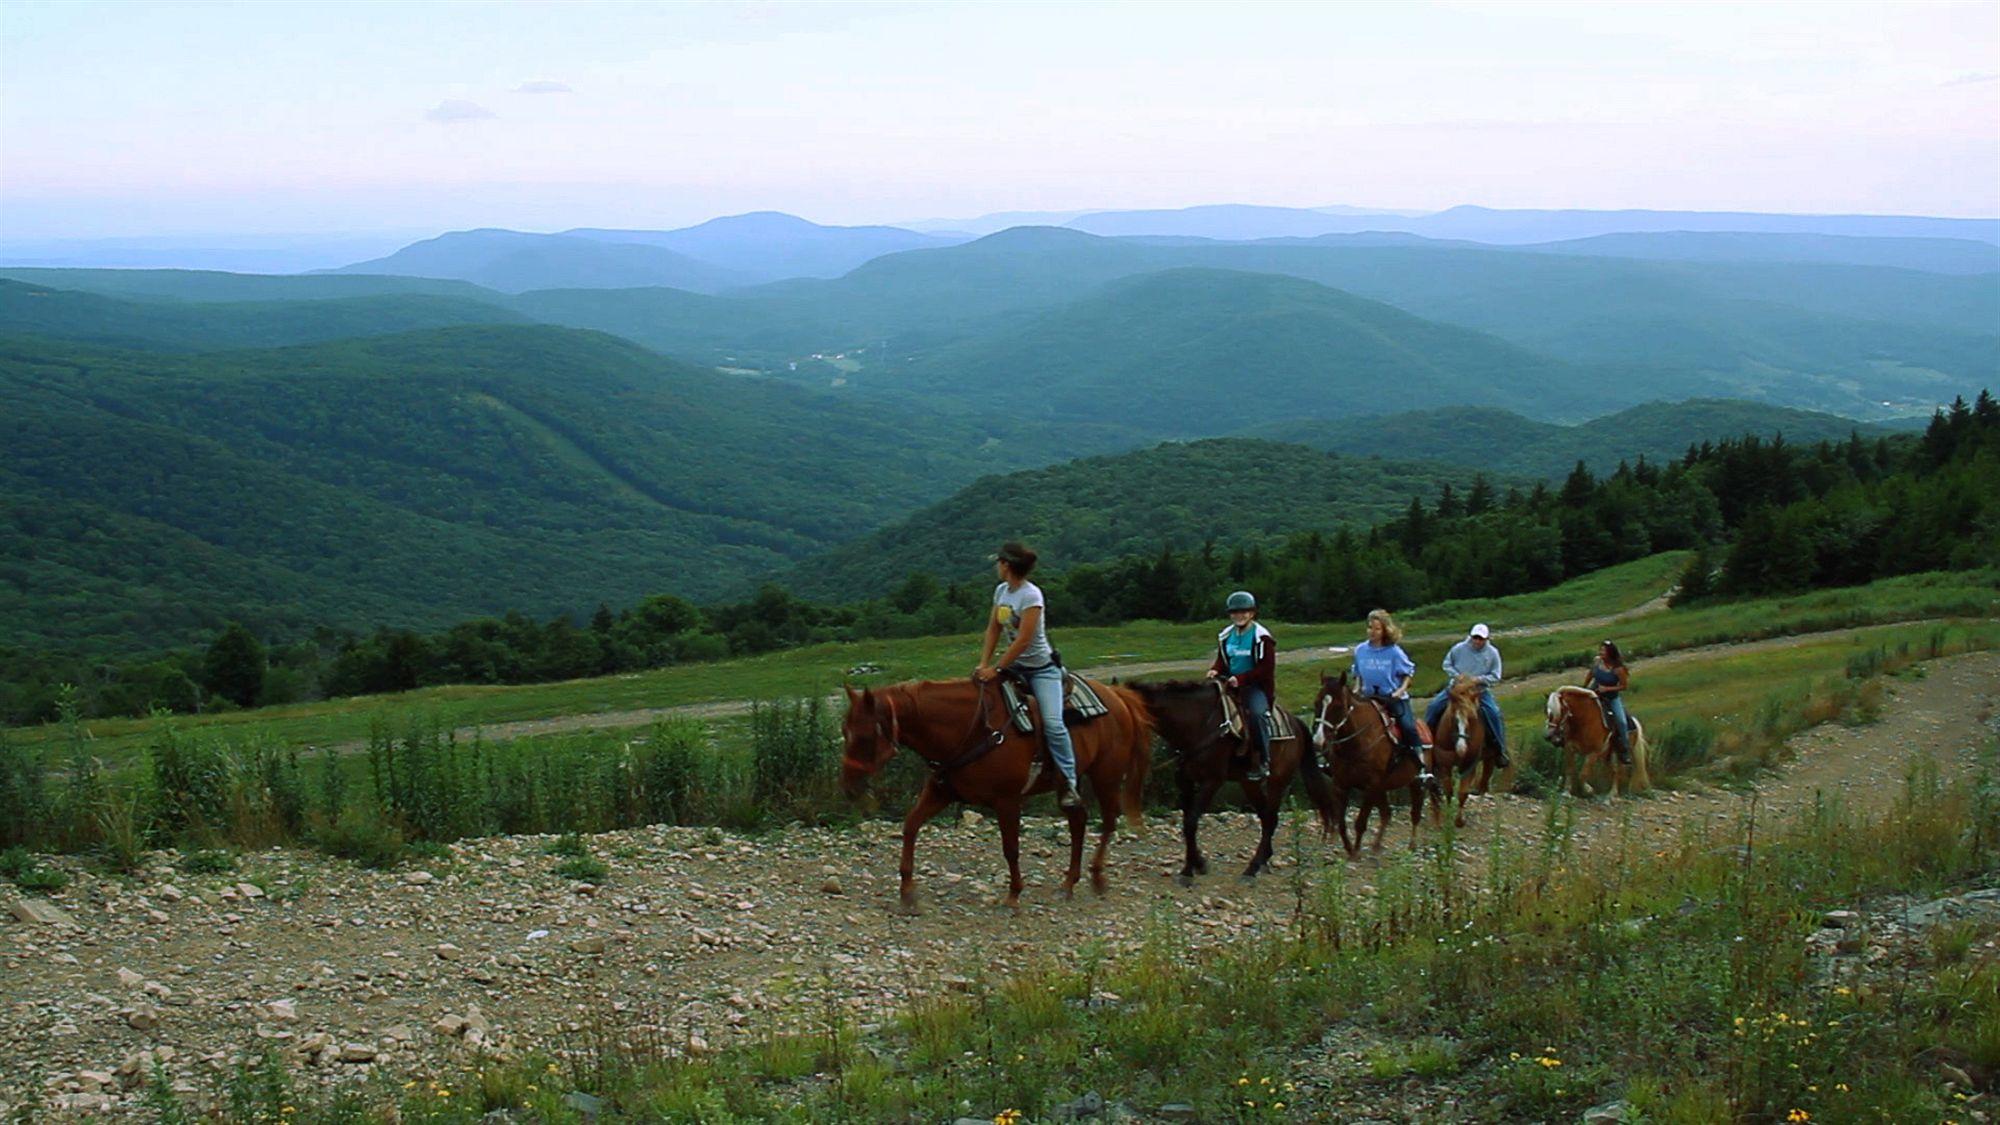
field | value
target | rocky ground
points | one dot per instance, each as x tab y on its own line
703	935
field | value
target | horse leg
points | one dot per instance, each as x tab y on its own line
1010	845
1077	820
1464	788
1107	809
1266	804
1485	775
930	802
1417	795
1191	821
1190	825
1351	847
1573	769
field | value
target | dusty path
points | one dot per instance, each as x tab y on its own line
708	935
645	716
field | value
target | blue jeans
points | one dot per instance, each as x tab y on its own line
1620	733
1047	682
1406	718
1259	706
1489	710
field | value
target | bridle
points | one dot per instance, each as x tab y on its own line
981	739
1322	725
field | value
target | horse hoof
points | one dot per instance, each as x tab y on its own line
1069	892
1247	877
1184	879
908	908
1099	884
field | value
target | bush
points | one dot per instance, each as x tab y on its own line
19	867
583	868
363	837
209	861
793	748
1684	744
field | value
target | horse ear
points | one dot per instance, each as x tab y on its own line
849	689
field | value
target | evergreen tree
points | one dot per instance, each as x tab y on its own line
233	668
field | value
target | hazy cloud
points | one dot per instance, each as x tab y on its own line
1970	77
451	111
543	86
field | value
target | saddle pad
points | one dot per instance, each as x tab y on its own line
1080	705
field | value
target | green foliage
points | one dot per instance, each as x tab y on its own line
208	861
234	666
793	751
19	867
583	868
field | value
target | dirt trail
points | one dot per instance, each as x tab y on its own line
717	936
720	709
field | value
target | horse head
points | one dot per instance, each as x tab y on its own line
868	738
1330	708
1558	716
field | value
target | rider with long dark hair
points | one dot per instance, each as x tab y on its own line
1609	678
1246	658
1019	613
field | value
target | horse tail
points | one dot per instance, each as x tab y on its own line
1139	764
1639	779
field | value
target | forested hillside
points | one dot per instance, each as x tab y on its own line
428	476
61	314
1230	491
1501	441
1187	353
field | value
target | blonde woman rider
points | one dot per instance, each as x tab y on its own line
1384	671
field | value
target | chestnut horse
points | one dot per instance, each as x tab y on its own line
1188	716
1360	753
1461	746
1578	727
961	730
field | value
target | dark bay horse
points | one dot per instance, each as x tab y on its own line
1461	747
1578	727
961	730
1360	753
1188	716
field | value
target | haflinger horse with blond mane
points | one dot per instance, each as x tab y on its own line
1578	726
961	730
1462	747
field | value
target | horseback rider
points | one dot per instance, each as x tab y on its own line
1246	659
1019	614
1384	671
1609	678
1478	657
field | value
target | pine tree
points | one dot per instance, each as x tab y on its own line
234	666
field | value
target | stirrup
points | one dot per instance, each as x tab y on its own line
1034	775
1067	795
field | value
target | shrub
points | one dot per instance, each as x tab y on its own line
583	868
363	837
209	861
1684	744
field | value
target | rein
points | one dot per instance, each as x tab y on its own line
1321	724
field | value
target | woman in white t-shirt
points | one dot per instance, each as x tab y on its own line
1019	614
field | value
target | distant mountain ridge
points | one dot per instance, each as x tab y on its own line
514	262
1501	441
772	246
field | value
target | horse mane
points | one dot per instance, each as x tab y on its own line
1573	689
1183	687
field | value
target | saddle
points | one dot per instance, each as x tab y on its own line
1232	718
1080	703
1389	721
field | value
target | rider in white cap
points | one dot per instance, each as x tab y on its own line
1477	657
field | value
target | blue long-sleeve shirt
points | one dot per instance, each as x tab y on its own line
1464	660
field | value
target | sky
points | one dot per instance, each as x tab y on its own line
135	119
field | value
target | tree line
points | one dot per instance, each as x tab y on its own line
1762	515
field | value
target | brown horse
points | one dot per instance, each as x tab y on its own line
1360	753
961	731
1188	716
1578	727
1461	747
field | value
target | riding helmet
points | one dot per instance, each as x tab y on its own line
1241	599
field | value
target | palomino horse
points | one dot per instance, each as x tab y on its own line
961	731
1188	716
1360	753
1461	746
1577	725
